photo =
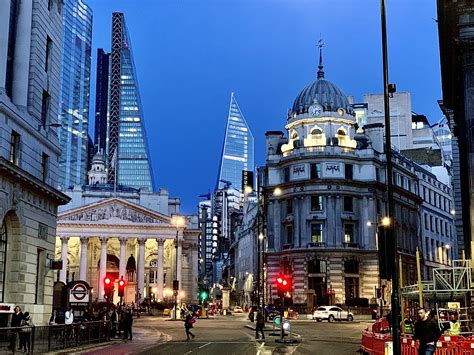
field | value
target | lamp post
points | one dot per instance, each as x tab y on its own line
178	220
391	203
261	239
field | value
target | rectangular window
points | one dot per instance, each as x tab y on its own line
348	204
351	267
44	108
349	171
431	224
44	166
315	171
50	4
409	185
377	174
348	233
15	148
316	266
289	206
286	174
436	225
427	222
49	50
289	234
316	203
40	268
352	287
316	233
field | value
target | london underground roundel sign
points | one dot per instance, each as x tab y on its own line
79	293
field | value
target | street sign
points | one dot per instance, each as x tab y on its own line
277	320
454	305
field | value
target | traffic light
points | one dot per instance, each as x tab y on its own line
108	288
283	285
203	295
386	253
121	287
379	292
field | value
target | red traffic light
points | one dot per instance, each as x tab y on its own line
107	281
121	282
280	280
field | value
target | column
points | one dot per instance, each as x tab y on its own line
141	267
329	238
194	271
103	266
159	269
21	61
83	267
4	26
338	221
123	258
63	271
179	251
364	240
296	222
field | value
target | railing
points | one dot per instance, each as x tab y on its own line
316	245
324	149
41	339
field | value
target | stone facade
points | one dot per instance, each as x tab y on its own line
98	239
29	87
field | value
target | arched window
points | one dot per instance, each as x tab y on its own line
294	135
3	258
316	131
341	132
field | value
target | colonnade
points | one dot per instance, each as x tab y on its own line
123	261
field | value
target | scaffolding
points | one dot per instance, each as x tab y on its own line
448	283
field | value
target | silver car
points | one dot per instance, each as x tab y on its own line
331	314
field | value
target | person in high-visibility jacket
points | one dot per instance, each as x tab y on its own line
454	326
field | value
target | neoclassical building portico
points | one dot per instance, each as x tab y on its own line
101	238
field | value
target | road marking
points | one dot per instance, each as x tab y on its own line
203	345
258	352
262	345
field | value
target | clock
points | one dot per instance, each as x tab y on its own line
315	110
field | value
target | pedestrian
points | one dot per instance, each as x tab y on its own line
427	333
52	319
188	324
454	327
260	323
25	334
388	317
68	320
15	323
127	325
113	322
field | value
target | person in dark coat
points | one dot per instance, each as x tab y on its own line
260	323
127	325
427	333
188	324
15	322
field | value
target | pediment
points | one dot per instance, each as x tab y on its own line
114	210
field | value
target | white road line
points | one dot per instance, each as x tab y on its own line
262	345
258	352
203	345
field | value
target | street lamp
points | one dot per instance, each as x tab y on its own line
179	222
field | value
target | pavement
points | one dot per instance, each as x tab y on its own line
234	335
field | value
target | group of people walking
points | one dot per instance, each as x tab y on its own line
23	325
121	319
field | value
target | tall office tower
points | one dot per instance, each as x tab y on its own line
101	100
237	151
126	128
74	93
30	62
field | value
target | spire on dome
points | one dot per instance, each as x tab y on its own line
320	67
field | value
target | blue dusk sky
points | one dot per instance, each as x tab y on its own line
191	54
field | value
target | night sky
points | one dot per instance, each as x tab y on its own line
191	54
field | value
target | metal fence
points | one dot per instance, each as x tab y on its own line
41	339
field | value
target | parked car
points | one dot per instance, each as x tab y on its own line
238	309
331	314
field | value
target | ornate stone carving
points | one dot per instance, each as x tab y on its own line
113	211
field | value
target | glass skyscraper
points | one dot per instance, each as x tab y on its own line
74	92
126	126
238	149
101	100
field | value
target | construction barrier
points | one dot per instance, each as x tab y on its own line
374	344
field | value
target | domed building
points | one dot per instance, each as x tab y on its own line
324	187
